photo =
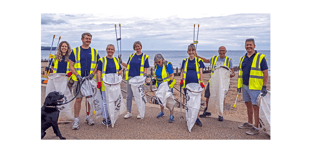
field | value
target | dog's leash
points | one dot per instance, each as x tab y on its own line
79	85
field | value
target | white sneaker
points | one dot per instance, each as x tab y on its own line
75	125
90	121
127	115
139	117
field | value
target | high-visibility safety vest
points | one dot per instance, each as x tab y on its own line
104	68
197	60
214	60
77	64
256	74
56	66
164	74
144	57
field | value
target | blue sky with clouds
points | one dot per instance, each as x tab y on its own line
171	32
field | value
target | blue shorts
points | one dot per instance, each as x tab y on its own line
250	95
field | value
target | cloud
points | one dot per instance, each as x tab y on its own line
48	20
170	32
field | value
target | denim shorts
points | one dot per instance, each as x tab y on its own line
250	95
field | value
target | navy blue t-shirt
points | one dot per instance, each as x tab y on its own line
111	68
85	58
159	71
246	67
62	66
135	64
191	75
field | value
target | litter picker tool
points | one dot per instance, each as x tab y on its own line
106	119
234	106
51	56
119	48
181	102
195	41
46	72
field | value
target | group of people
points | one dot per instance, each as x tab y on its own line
85	62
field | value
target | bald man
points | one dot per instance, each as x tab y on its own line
221	60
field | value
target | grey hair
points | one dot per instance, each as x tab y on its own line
137	42
110	45
250	39
157	57
88	34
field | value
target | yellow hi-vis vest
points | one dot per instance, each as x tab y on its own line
164	75
197	60
214	60
256	74
144	57
77	64
56	66
104	68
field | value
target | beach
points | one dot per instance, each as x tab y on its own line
232	116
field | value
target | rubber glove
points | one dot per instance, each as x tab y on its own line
169	82
153	81
202	85
79	77
69	74
264	91
120	58
99	85
181	83
90	76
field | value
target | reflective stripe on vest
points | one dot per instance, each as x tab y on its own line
144	57
104	69
56	66
77	64
164	75
197	60
213	62
256	74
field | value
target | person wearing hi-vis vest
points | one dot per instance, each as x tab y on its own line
136	66
83	63
60	63
191	71
253	77
163	73
220	60
107	64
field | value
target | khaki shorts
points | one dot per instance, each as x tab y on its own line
75	90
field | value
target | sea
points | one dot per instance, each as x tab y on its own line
176	56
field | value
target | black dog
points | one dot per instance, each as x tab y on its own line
50	113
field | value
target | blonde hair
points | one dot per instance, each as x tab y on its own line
59	55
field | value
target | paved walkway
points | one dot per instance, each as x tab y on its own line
153	128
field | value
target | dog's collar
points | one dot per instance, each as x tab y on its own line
51	106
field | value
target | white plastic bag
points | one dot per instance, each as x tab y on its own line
264	112
58	82
114	97
93	97
219	86
193	101
137	87
165	95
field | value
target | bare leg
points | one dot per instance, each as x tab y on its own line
256	115
250	111
77	107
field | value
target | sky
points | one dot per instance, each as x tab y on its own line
159	32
